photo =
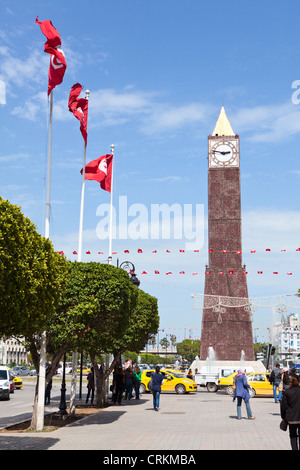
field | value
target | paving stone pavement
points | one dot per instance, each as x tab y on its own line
194	422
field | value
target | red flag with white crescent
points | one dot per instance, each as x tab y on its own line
58	63
100	170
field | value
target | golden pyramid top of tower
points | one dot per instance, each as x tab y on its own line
223	126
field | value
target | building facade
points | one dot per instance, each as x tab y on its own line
12	351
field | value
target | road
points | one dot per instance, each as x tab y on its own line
19	407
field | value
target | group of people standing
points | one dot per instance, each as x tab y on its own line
131	379
126	382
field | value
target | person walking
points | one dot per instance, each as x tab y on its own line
284	382
290	411
90	386
137	381
242	393
275	378
128	383
48	392
157	380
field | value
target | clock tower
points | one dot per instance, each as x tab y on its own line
228	330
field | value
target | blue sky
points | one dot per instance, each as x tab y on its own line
158	74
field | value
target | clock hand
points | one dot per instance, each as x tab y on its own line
222	153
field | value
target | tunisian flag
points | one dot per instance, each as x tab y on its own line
79	107
100	170
58	64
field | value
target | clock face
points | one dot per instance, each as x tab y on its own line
223	153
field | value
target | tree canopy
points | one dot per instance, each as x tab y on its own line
31	275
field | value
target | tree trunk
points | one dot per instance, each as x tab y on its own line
49	374
102	378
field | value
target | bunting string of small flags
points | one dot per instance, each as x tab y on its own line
140	251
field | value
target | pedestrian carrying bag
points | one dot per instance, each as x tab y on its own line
283	425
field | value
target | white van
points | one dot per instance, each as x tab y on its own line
4	383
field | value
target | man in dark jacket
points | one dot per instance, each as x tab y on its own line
157	380
275	378
290	411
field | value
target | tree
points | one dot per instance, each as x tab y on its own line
189	348
100	312
31	277
143	320
31	274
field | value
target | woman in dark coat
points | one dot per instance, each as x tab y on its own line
290	411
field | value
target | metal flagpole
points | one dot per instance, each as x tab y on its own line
79	257
111	209
79	252
42	365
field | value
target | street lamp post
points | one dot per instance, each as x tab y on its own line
62	405
129	267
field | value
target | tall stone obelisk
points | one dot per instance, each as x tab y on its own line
228	331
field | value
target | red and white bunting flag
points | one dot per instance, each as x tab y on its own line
100	170
140	250
79	108
58	63
253	251
156	272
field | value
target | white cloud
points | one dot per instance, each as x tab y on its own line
23	72
268	123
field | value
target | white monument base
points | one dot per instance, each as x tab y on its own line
214	365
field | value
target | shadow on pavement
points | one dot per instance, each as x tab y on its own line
26	443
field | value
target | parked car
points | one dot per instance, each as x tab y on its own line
5	383
172	382
20	370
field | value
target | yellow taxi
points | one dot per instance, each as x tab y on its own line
173	382
226	383
85	369
260	384
258	381
18	382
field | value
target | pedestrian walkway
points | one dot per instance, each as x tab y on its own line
199	421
